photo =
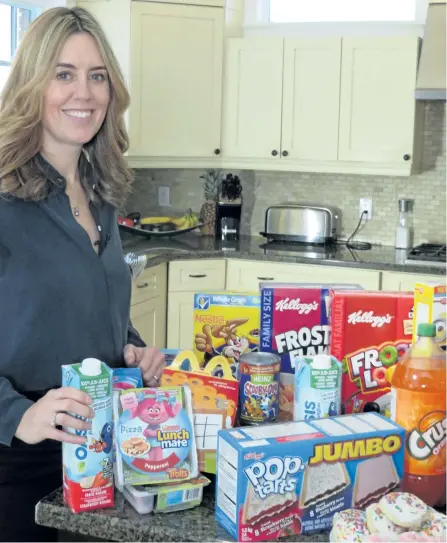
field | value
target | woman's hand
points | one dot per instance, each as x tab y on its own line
40	420
149	359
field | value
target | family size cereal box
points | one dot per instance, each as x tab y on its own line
88	468
430	305
294	322
286	479
371	331
227	324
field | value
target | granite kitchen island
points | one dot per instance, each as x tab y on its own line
123	523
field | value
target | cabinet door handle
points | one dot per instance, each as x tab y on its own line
143	285
407	157
274	152
266	278
197	276
217	151
285	153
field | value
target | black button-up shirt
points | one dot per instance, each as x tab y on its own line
60	301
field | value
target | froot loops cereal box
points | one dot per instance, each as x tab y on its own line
226	324
371	331
155	437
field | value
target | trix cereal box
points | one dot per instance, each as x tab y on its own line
294	322
88	468
227	324
371	331
430	305
286	479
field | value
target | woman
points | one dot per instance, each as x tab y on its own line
64	285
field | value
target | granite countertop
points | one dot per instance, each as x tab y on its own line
123	523
193	246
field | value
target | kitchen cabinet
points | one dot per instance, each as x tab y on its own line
148	305
377	105
406	281
245	275
176	80
185	279
212	3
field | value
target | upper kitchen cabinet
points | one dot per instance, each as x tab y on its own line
176	79
377	106
253	98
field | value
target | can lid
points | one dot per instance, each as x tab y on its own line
426	329
321	362
91	366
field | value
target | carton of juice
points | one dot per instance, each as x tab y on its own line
226	324
430	305
88	469
294	323
371	331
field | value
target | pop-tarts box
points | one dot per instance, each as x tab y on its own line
295	322
292	477
227	324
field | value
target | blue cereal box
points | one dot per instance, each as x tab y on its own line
286	479
88	468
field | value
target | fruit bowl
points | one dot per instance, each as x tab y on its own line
139	231
159	226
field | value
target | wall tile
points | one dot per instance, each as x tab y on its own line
261	189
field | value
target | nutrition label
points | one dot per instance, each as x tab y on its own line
322	379
96	388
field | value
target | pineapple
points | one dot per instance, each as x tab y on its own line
208	212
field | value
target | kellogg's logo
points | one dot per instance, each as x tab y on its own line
295	305
368	317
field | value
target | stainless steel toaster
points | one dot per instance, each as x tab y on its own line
302	222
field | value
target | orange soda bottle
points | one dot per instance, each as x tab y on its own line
418	388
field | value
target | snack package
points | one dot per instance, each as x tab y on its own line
294	322
371	331
166	498
155	438
214	400
317	387
125	378
227	324
290	478
88	468
430	305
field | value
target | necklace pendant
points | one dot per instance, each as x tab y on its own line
76	211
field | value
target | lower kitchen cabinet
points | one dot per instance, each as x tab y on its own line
180	320
148	306
406	281
245	275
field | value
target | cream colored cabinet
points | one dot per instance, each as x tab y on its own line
213	3
185	279
406	281
148	305
251	125
311	99
377	106
176	80
245	275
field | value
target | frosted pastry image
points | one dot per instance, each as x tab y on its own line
257	509
375	477
404	509
323	481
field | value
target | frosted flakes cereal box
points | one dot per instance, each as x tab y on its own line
226	324
285	479
430	305
295	323
371	331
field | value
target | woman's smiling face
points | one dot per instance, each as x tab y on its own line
78	95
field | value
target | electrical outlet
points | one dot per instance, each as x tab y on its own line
366	205
164	197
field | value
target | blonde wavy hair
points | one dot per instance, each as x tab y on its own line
21	108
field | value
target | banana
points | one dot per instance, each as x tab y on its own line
180	223
155	220
194	219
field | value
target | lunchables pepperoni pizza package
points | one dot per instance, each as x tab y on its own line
214	400
371	331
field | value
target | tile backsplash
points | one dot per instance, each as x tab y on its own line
262	188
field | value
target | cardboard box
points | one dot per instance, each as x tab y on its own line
430	305
371	332
295	322
286	479
226	324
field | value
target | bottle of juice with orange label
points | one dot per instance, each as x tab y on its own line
418	387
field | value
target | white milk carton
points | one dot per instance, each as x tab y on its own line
88	468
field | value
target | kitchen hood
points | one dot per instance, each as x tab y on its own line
431	77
